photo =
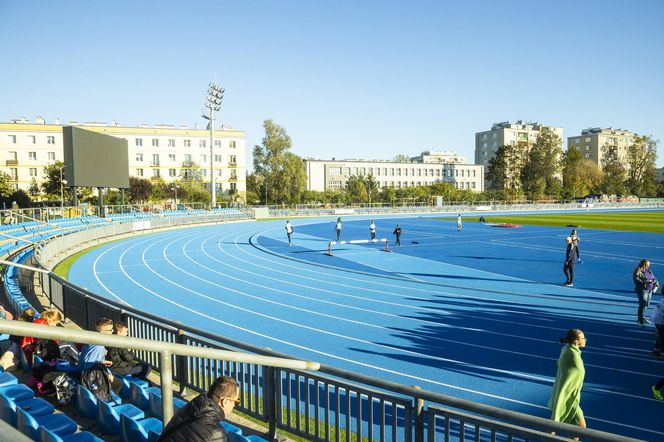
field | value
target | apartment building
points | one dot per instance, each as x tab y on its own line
333	174
508	133
601	145
155	152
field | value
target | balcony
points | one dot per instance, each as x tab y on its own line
155	178
233	178
232	164
154	164
12	162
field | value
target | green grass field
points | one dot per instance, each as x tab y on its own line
629	221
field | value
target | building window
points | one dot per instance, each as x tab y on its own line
12	138
587	140
155	159
51	156
217	158
155	142
171	157
155	173
472	184
33	138
139	141
13	156
405	172
171	142
50	139
587	147
203	159
32	156
139	157
392	174
398	171
334	170
187	143
231	144
13	173
33	171
139	172
201	143
587	155
217	172
172	173
187	158
334	185
217	143
204	172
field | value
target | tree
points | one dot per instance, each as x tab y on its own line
539	175
580	176
504	171
401	158
641	170
52	184
282	175
357	188
613	178
6	188
139	190
33	190
372	188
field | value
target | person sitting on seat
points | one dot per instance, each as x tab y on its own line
123	359
200	419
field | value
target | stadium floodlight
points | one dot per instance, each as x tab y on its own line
62	192
213	104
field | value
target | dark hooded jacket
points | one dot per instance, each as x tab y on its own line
199	420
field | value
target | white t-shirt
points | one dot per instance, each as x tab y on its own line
289	228
372	227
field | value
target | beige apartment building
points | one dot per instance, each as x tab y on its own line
155	152
601	145
429	168
508	133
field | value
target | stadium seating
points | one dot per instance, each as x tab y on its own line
60	424
7	379
140	396
155	405
108	417
46	435
34	406
144	430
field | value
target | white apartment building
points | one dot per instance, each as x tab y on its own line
439	157
333	174
508	133
155	152
601	144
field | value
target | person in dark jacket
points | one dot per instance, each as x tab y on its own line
397	233
123	359
645	284
570	260
200	419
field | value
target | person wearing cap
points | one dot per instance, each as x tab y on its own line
570	260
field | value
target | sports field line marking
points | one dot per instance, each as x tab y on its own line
346	359
339	275
97	278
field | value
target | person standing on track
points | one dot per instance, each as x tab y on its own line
645	284
459	223
337	228
566	394
289	232
372	229
397	233
570	260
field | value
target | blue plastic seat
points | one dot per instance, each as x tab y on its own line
7	379
125	391
46	435
86	402
234	437
108	417
230	428
140	396
155	405
58	423
34	406
17	392
145	430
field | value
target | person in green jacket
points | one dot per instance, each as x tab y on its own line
566	395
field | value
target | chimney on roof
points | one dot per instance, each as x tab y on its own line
40	120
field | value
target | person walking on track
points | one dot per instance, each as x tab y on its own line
289	232
397	233
372	229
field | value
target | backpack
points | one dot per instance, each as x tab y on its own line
65	389
96	380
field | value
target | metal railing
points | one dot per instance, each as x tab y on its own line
165	351
332	404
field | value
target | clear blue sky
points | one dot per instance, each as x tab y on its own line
346	79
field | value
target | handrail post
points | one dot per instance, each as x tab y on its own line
419	417
166	371
270	401
182	365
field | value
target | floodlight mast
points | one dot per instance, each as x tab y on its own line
213	104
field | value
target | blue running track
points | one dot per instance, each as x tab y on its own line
475	314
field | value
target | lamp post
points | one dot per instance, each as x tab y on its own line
213	104
62	192
175	189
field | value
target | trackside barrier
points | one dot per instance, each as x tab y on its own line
358	241
165	351
330	404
